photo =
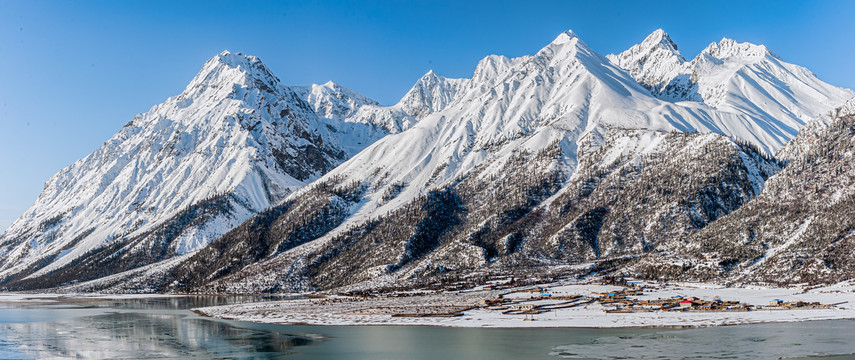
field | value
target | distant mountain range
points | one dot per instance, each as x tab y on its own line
727	167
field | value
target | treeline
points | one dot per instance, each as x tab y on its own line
124	252
293	223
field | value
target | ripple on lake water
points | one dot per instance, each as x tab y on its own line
758	341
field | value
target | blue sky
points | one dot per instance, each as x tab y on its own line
73	72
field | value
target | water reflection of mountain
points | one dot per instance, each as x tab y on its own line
37	301
130	335
185	302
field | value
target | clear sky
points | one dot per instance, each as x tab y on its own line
73	72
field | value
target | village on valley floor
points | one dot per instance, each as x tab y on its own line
602	302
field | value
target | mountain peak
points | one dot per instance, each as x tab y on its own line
653	63
724	76
492	67
332	85
235	59
729	48
429	78
656	45
566	37
228	68
569	34
331	100
567	46
249	64
431	93
659	38
658	33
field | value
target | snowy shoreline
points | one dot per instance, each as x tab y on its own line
466	308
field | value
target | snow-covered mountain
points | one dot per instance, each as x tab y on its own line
561	94
733	77
233	143
354	119
657	65
358	121
800	229
437	192
813	133
235	137
430	94
332	101
561	157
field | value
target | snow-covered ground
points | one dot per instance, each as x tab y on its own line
335	310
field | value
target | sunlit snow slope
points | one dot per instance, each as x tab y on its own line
236	142
533	118
734	77
358	121
561	93
235	133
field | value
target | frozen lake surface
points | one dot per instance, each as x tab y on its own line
134	328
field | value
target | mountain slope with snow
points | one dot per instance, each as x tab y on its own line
430	94
561	157
657	65
800	229
529	216
561	93
733	77
235	137
558	106
358	121
234	143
